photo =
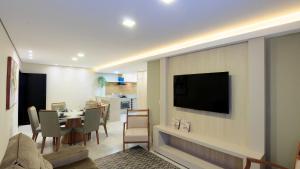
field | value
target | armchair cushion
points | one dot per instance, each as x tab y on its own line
136	135
137	121
67	156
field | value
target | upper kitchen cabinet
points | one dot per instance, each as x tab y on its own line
128	77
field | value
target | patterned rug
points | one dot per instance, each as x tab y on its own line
134	158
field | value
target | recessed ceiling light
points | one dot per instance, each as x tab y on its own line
81	55
30	57
167	1
116	72
55	64
29	51
30	54
74	59
129	23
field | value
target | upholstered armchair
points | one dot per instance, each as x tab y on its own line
136	129
262	163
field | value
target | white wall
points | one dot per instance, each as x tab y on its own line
73	85
142	90
229	128
284	99
245	62
8	118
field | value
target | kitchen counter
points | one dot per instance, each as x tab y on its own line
117	105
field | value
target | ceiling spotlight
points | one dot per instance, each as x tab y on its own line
74	59
129	23
81	55
167	1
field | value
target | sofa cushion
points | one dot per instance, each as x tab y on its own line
67	156
22	152
83	164
136	134
45	164
14	167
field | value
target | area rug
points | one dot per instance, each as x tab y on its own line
134	158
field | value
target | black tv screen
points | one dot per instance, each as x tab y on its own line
208	91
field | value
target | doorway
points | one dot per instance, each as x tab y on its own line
32	92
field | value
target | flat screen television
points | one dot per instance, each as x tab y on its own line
208	91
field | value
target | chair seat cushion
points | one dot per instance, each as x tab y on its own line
79	129
64	130
136	135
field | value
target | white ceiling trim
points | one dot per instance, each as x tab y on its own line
270	27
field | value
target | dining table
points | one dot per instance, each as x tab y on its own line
75	119
72	119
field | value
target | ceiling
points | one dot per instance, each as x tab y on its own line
56	30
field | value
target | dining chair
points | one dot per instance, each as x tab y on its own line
136	128
91	104
59	106
50	128
34	122
104	117
91	123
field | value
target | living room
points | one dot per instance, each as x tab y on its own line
173	90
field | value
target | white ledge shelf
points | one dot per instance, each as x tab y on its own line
231	149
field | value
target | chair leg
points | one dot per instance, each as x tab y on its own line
148	146
54	143
33	136
84	139
105	129
43	145
97	135
36	135
123	147
57	143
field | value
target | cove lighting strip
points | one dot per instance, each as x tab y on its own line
206	38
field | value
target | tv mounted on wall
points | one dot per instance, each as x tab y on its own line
208	91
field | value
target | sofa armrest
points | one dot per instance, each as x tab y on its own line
67	156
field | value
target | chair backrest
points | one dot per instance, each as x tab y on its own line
59	106
91	120
91	104
262	163
49	123
138	120
106	111
33	118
